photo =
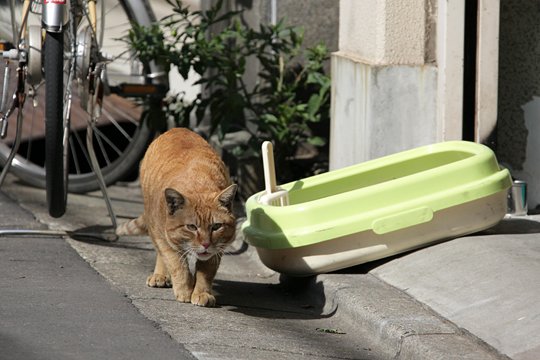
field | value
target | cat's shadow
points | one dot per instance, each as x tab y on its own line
292	298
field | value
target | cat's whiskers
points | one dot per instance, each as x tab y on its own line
219	250
184	256
223	248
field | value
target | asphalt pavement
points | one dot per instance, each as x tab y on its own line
53	305
82	297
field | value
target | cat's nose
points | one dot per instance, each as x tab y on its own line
206	245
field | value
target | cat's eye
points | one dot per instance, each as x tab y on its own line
216	226
191	227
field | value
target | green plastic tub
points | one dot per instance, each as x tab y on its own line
379	208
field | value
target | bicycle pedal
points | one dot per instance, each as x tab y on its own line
6	46
11	54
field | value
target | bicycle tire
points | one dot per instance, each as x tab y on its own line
55	171
127	161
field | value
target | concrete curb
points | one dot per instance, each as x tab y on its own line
405	328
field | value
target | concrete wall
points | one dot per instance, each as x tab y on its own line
319	18
518	127
384	80
380	110
383	32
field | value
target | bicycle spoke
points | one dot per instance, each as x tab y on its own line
100	144
120	138
100	134
117	125
74	153
82	146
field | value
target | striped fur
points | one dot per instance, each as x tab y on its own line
133	227
188	197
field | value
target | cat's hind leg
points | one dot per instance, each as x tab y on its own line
160	278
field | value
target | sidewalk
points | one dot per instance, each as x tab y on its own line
488	286
471	298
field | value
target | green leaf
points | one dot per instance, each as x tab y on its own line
316	141
280	105
314	104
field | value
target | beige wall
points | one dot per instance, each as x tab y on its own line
384	32
401	64
384	80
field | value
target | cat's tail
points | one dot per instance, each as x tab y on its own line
133	227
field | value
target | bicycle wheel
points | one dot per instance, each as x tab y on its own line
55	122
121	134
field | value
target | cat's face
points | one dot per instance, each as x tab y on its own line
200	226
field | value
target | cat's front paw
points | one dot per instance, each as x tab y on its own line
158	281
203	299
183	295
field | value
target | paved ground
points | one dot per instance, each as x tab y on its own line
259	316
55	306
469	298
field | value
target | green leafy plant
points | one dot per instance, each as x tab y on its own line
287	105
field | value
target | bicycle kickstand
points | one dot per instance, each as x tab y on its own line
97	171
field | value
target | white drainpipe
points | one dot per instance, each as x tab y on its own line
273	12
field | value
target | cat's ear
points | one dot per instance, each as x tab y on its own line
226	197
175	200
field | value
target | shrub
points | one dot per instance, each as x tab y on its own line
288	103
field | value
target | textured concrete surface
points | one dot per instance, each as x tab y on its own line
489	285
351	314
379	110
55	306
258	317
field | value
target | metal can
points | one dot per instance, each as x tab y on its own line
517	198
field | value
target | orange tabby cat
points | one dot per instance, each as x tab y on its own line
188	214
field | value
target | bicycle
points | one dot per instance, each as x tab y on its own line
67	59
